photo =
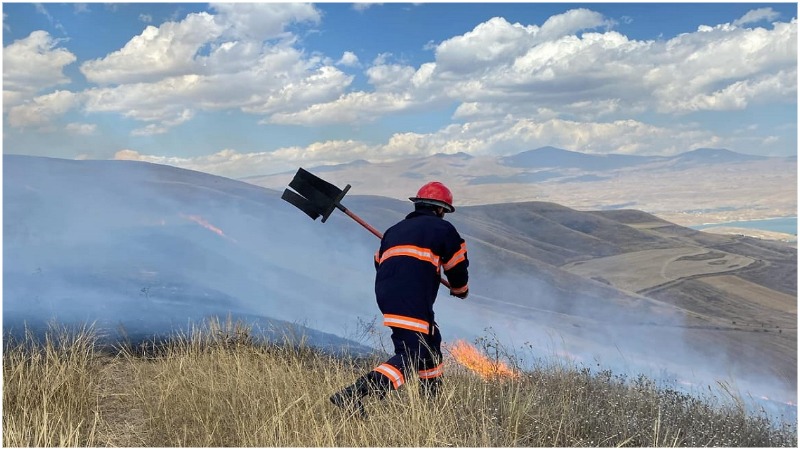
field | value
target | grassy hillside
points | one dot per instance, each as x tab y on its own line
218	387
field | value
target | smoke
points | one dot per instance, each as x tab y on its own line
534	320
150	249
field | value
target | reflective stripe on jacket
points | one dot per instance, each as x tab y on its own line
409	262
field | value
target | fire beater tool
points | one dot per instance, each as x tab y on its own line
318	198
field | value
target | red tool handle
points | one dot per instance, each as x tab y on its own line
376	233
362	223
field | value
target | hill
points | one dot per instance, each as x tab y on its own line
219	387
146	247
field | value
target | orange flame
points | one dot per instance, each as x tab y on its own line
205	224
469	357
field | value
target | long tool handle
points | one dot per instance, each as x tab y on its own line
375	232
361	222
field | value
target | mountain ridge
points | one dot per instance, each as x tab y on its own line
724	186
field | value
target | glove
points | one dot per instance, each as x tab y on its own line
461	295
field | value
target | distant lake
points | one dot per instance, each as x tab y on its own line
780	225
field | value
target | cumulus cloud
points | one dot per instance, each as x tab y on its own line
261	21
571	81
390	77
363	6
716	68
168	50
352	108
166	101
500	69
81	129
39	112
493	42
231	163
214	62
198	44
31	65
164	124
757	15
127	155
571	22
321	86
348	59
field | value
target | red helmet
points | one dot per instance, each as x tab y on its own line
435	193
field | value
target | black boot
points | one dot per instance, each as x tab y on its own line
350	397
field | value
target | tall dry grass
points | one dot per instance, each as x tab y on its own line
50	390
216	386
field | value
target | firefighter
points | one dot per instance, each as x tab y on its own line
408	264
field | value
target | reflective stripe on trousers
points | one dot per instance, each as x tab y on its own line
432	373
406	322
391	372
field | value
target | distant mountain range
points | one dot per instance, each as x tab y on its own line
699	186
146	248
551	157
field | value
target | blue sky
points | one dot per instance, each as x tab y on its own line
244	89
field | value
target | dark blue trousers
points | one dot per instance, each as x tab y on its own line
413	352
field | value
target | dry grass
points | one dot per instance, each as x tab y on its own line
50	390
217	387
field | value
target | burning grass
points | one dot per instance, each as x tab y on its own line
216	386
471	358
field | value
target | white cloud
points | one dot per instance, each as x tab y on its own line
504	70
31	65
351	108
40	8
514	86
128	155
757	15
571	22
40	111
164	124
162	101
348	59
711	69
260	21
168	50
321	86
498	42
231	163
766	89
490	43
146	18
81	129
276	82
363	6
214	62
390	77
